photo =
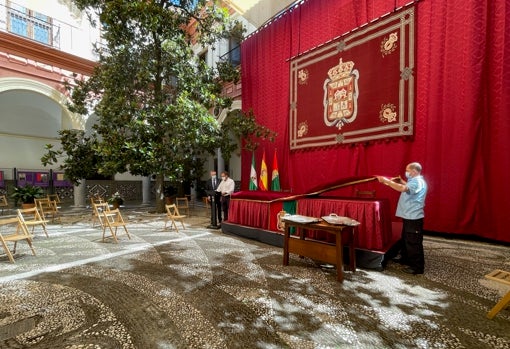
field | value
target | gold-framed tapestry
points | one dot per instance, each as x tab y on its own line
357	87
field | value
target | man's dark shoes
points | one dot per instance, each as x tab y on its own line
412	271
399	260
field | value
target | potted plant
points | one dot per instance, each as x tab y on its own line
116	200
27	195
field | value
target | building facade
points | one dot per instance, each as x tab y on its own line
41	50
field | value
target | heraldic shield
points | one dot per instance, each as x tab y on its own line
341	95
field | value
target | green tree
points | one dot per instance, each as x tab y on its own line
80	160
150	92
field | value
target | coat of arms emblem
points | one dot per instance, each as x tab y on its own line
341	94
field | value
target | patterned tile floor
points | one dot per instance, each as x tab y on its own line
200	288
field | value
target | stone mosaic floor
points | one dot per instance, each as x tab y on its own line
200	288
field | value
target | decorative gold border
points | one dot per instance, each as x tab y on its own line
405	24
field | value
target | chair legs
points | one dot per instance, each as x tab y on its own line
504	278
113	232
499	306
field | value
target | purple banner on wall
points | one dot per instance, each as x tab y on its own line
59	180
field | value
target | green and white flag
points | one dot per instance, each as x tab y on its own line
275	175
253	174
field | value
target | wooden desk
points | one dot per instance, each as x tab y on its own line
319	250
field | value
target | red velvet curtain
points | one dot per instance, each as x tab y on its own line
462	119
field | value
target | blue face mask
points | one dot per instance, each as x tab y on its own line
408	175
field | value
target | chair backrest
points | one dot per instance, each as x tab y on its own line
8	222
21	228
38	201
113	217
47	207
172	210
54	197
3	201
29	214
182	204
96	200
97	211
32	217
14	230
101	207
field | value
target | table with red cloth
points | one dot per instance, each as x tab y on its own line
258	209
375	230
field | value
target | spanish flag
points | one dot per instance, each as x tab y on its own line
275	176
253	174
263	173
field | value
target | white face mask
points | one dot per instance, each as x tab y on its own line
223	178
408	174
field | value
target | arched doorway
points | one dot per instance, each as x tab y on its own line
32	113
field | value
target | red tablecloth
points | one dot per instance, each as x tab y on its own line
256	209
374	232
260	210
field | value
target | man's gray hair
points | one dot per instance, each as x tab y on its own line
415	166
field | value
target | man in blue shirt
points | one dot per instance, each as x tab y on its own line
410	208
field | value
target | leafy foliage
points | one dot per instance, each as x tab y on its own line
26	194
150	93
80	158
244	125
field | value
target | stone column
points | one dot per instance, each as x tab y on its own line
146	191
80	194
221	162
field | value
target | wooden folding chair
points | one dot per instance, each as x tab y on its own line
172	214
13	230
503	277
191	201
54	197
48	208
113	219
31	218
182	205
96	199
3	203
97	210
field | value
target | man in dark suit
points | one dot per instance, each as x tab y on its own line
210	187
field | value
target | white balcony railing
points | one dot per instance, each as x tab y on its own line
47	31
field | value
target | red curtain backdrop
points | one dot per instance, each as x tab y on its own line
462	120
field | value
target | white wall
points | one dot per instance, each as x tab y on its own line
71	29
22	152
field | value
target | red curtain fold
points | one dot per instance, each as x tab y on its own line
250	213
257	214
462	127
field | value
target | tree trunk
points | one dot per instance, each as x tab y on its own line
160	195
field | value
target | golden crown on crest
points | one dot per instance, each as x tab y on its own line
342	70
